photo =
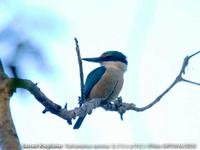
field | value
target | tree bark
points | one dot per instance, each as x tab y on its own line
8	136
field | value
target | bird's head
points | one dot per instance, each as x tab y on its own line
110	59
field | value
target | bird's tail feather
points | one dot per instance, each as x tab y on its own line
79	122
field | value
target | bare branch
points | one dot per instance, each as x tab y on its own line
157	99
82	99
52	107
34	89
87	107
178	79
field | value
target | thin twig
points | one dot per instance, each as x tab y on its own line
157	99
194	54
178	79
82	99
192	82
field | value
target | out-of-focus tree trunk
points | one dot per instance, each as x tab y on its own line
8	136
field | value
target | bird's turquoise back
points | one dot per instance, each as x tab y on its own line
92	78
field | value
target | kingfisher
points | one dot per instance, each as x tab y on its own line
105	81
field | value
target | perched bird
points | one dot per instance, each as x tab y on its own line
105	81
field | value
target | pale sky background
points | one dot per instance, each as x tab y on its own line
155	36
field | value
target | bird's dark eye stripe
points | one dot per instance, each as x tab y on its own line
110	58
114	56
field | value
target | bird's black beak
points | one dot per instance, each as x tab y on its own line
94	59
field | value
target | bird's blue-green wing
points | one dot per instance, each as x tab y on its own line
93	77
